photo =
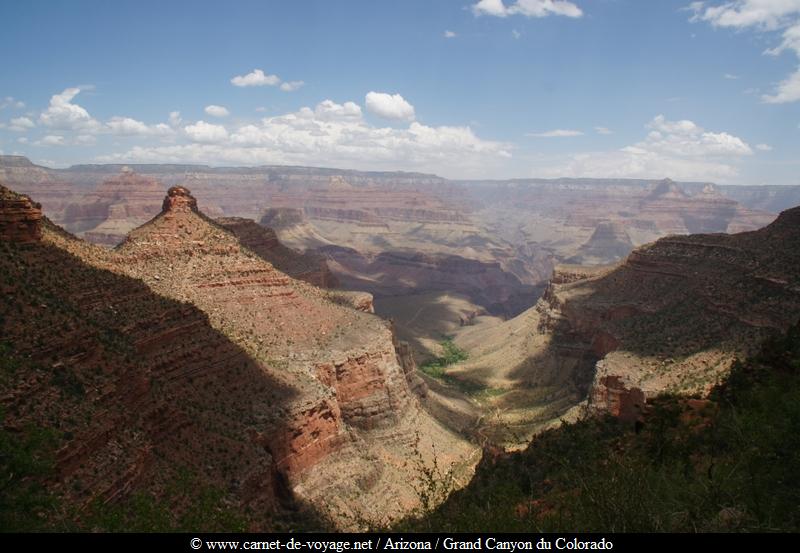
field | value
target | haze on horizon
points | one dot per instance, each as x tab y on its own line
704	91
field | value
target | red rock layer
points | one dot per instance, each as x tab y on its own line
20	217
263	241
287	325
677	311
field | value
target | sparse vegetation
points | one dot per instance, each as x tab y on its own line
451	354
729	464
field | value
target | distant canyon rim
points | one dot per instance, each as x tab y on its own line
317	294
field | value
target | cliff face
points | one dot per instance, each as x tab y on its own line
675	315
397	273
20	217
184	350
137	390
118	204
341	363
263	241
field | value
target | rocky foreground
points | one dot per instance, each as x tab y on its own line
184	352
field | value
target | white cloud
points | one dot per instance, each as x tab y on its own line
256	78
787	91
685	138
763	147
556	133
389	106
449	34
763	16
603	130
51	140
516	34
291	86
85	139
678	149
528	8
206	132
21	124
332	134
126	126
175	118
731	77
63	114
217	111
10	102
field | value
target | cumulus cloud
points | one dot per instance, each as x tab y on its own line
679	149
528	8
331	134
389	106
21	124
555	133
256	77
217	111
291	86
763	147
63	114
51	140
206	132
449	34
174	118
126	126
763	16
10	102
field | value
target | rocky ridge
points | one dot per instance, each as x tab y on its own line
261	374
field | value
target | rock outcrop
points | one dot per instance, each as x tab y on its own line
676	314
341	362
182	350
609	243
20	217
263	241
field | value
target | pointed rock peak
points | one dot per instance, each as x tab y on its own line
20	217
179	199
668	188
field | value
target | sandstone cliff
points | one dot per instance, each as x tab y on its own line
184	350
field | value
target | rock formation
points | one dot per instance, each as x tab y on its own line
20	217
184	350
263	241
352	400
609	243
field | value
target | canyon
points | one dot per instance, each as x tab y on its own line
418	243
261	328
184	350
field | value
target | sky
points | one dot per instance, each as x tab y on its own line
475	89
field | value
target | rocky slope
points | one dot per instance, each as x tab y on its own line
184	349
138	391
672	318
609	243
264	242
353	412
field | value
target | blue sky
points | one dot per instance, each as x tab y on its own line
461	88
